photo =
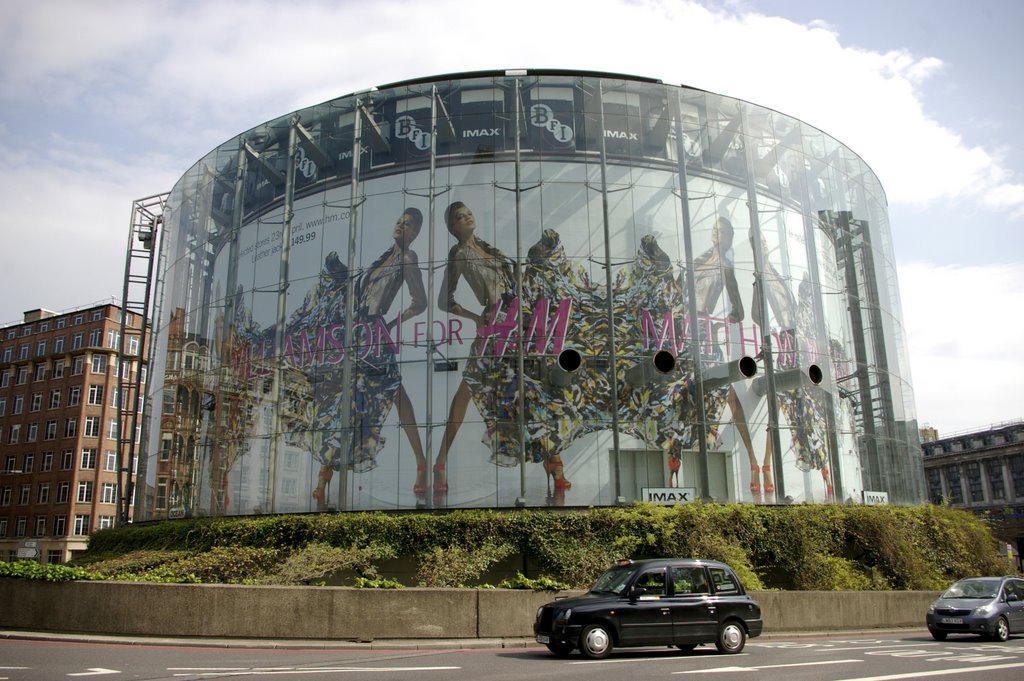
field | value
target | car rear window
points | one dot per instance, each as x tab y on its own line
725	582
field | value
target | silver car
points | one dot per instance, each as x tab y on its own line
992	607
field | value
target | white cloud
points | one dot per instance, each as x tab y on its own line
963	329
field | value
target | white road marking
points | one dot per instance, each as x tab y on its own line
96	671
766	666
267	671
615	660
942	672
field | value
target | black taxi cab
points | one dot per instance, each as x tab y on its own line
679	602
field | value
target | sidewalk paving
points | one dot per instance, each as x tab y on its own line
379	644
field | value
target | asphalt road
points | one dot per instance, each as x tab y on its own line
908	654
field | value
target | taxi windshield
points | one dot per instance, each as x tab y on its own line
614	580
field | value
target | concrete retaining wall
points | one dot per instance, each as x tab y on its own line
303	612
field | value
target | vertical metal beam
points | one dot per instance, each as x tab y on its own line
766	335
270	494
613	377
691	294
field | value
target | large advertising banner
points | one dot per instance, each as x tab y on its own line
479	378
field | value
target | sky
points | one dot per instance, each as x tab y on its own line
104	102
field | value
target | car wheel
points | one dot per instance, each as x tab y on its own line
731	638
938	635
1002	632
595	642
687	647
561	648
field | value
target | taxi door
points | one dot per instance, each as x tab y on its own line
646	618
694	617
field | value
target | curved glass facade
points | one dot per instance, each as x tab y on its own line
527	289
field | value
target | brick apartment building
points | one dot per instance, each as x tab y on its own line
60	391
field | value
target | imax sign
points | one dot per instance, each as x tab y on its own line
668	496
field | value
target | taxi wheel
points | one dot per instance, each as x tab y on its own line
687	647
731	638
938	635
595	642
561	648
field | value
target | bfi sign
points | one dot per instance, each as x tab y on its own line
668	496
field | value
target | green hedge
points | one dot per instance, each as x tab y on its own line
803	547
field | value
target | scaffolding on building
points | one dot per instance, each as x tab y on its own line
133	350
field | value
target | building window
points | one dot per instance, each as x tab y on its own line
995	479
11	464
92	426
29	463
51	430
74	395
88	458
113	339
94	338
22	375
40	526
1017	474
14	435
104	521
47	462
84	492
67	458
60	525
44	326
95	394
23	351
81	525
5	378
54	399
3	527
110	460
956	492
70	427
58	344
108	495
40	374
77	340
19	405
54	557
33	431
112	431
40	348
63	492
99	364
58	368
5	496
37	402
7	354
24	495
3	406
97	315
78	367
161	494
44	493
78	319
19	530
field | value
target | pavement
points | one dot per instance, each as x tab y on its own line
371	645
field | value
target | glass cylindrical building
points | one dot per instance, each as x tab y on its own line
527	288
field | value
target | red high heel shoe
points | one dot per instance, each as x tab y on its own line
755	480
419	488
769	481
554	469
440	486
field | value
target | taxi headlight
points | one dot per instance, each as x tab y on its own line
539	611
563	616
